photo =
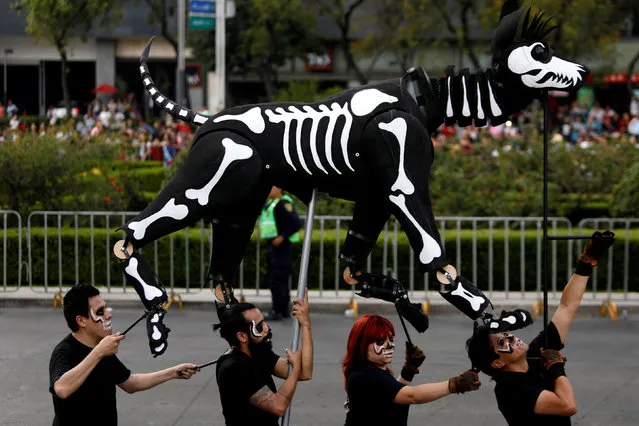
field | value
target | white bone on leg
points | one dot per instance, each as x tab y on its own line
170	209
475	301
398	128
156	333
430	248
232	152
150	292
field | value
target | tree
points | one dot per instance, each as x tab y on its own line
341	11
162	12
58	20
261	38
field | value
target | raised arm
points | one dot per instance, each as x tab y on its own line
301	312
576	287
277	403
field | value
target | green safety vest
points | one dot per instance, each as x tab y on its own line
268	228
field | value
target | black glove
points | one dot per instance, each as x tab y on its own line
553	363
414	359
597	245
465	382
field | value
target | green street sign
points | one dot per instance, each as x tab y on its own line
201	23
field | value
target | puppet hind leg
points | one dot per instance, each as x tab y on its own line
400	152
232	232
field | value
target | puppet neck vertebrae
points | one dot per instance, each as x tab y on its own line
466	97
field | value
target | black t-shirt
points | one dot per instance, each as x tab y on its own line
239	376
94	401
371	392
517	393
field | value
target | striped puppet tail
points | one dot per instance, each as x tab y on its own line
162	101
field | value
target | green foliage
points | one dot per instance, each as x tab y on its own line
305	91
506	259
51	174
625	197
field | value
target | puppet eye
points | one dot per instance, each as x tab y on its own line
539	53
391	339
100	312
502	342
380	342
260	327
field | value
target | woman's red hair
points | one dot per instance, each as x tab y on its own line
365	331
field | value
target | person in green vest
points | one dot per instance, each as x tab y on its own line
279	225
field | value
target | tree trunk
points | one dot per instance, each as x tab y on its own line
65	85
631	67
350	60
269	84
467	44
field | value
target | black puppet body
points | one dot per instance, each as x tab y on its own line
370	145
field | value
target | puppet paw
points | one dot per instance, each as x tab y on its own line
158	332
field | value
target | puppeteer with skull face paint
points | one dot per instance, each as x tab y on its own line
375	396
532	387
245	373
84	368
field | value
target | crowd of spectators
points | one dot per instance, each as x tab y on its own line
120	121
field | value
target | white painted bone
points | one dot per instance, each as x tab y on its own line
156	333
252	119
475	301
510	320
150	292
365	101
398	128
170	209
430	248
232	152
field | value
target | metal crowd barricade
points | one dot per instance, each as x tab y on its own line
54	226
450	227
622	229
11	224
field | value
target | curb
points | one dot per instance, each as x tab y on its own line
587	309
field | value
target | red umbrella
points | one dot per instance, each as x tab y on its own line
105	88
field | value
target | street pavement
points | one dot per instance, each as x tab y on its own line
602	365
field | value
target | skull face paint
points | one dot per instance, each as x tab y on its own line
384	347
258	330
102	314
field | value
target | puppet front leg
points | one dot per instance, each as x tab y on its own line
401	154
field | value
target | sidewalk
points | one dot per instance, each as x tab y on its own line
327	301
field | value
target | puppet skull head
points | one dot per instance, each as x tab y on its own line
522	59
540	69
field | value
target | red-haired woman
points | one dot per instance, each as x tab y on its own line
375	397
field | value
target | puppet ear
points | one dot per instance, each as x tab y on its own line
508	7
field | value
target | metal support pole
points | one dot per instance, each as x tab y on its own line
545	217
179	75
301	282
220	53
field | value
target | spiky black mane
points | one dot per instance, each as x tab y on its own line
537	28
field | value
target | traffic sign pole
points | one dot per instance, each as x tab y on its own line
220	52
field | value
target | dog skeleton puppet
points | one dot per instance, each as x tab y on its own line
370	145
